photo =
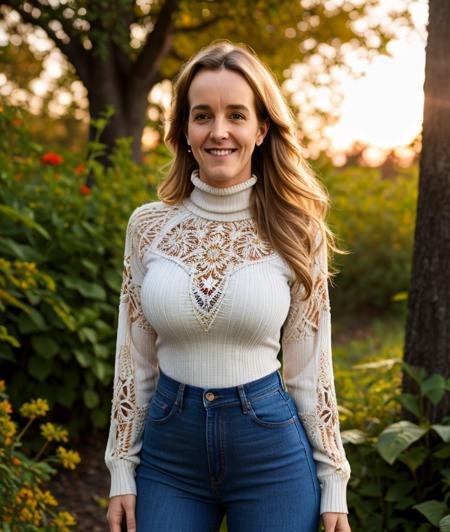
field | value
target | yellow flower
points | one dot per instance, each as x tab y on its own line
69	459
45	498
64	520
35	408
6	406
2	386
53	432
7	429
25	515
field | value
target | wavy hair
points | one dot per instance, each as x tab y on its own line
289	204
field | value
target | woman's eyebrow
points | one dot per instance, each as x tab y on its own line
205	107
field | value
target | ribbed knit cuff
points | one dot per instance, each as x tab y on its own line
122	478
334	494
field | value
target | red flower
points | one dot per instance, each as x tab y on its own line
80	169
16	122
51	158
85	190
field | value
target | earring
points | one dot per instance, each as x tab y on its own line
189	148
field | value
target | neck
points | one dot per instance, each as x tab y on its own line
220	203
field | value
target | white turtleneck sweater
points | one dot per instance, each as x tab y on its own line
204	299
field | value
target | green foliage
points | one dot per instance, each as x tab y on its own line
400	476
25	503
374	217
60	271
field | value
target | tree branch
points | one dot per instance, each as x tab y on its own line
73	50
202	25
156	47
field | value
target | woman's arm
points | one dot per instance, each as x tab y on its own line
136	370
308	374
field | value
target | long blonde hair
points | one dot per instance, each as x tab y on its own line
290	204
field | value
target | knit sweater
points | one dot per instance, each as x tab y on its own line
204	299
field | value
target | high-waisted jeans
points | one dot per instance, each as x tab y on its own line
240	450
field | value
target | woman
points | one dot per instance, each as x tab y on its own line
228	266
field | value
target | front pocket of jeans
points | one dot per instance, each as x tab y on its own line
271	411
161	408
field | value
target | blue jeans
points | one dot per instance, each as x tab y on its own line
240	450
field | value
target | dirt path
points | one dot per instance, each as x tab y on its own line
80	491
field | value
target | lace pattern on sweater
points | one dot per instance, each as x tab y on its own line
129	417
322	425
211	250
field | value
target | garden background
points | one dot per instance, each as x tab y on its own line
84	90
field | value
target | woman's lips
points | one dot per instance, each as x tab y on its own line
222	155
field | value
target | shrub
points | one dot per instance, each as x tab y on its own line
26	504
400	476
60	275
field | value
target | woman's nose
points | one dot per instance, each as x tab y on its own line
219	130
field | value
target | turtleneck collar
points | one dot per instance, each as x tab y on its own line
220	203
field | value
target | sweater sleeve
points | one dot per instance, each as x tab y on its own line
135	372
309	379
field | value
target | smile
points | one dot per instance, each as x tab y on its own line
221	153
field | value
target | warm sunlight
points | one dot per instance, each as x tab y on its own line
384	108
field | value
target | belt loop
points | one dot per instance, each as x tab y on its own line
244	401
179	399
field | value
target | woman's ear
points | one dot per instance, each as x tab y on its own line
263	129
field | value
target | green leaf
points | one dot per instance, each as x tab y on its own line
84	358
67	397
443	431
434	388
87	334
444	524
90	266
44	345
40	368
396	438
31	323
433	510
414	458
443	453
398	490
410	402
354	436
101	351
17	216
101	370
86	289
113	279
6	353
91	398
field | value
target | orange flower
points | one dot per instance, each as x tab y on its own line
85	190
51	158
16	122
80	169
17	177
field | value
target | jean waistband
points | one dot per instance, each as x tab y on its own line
216	396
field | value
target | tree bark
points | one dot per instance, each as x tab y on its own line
427	342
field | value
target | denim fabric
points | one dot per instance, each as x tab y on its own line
240	450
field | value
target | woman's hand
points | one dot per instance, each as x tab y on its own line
117	506
335	522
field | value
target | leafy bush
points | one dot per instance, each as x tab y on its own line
60	276
26	504
400	475
374	218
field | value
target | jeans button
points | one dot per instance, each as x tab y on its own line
210	396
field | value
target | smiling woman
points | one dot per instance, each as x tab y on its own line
221	132
230	265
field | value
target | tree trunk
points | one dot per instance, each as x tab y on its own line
427	342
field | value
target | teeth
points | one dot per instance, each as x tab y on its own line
221	152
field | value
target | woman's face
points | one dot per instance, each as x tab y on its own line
222	116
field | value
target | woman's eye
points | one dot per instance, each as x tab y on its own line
201	117
238	115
